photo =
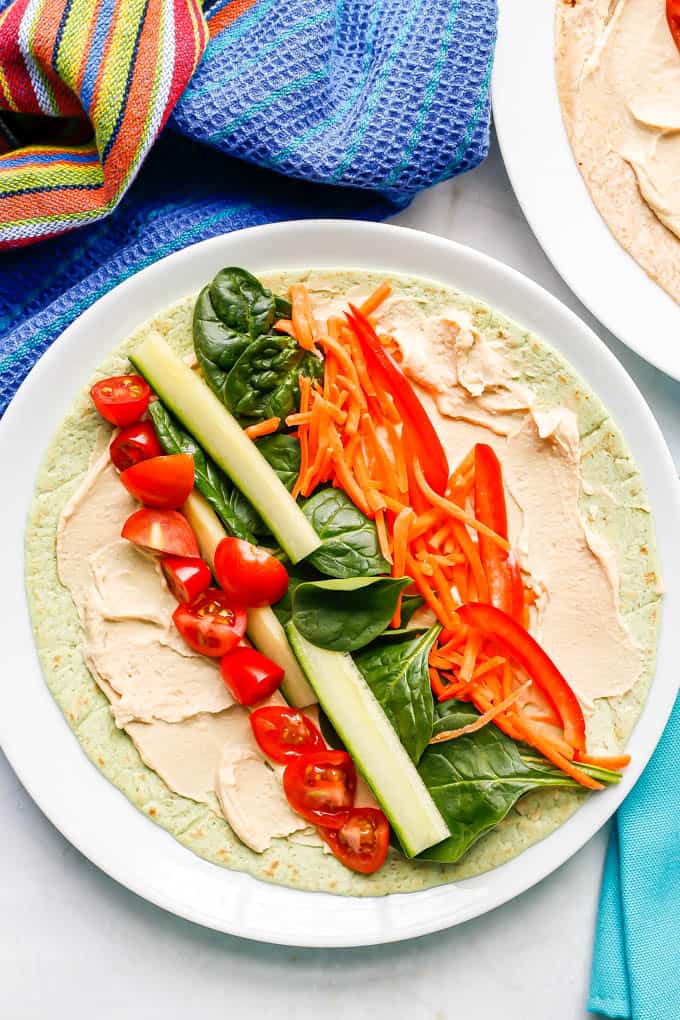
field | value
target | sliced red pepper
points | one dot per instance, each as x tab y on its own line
502	571
422	437
516	643
673	17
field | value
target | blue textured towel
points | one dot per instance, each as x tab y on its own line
636	966
348	107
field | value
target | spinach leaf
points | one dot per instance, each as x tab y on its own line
242	303
409	604
399	676
264	382
230	312
476	779
217	345
283	453
284	607
210	481
346	614
350	541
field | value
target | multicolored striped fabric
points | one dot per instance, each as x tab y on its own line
348	108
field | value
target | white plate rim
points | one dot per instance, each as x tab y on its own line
33	733
553	196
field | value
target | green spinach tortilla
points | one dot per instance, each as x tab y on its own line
612	502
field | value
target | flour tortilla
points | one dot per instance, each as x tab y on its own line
610	180
613	503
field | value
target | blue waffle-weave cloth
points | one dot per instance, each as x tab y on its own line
297	109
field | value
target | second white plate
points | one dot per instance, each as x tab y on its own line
554	198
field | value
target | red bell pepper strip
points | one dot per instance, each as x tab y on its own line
502	571
516	643
673	18
423	440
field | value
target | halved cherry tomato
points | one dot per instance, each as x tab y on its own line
134	444
283	733
250	675
212	624
121	399
320	786
187	577
422	437
362	842
502	571
673	16
250	573
162	482
161	531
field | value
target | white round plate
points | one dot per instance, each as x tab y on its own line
554	198
92	813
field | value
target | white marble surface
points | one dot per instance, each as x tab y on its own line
74	944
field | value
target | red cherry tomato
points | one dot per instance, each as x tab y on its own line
161	531
320	786
162	482
134	444
250	675
250	573
121	399
212	624
284	733
187	577
362	842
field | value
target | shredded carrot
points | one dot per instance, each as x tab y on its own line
301	418
415	571
303	435
284	326
604	761
485	667
374	300
304	326
548	748
472	646
399	466
383	539
472	554
350	485
455	511
483	720
262	428
443	588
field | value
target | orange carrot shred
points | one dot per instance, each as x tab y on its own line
303	321
483	720
262	428
374	300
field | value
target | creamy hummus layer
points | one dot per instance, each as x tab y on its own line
173	703
618	73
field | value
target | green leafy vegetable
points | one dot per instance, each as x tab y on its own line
350	541
283	453
475	779
210	481
399	676
347	614
264	382
242	303
409	604
284	607
231	312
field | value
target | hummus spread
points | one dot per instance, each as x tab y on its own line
173	703
618	73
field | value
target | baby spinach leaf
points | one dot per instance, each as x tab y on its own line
230	312
476	779
264	382
242	302
399	676
350	545
210	481
217	345
409	604
283	453
284	607
346	614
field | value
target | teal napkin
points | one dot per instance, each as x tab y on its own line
636	964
